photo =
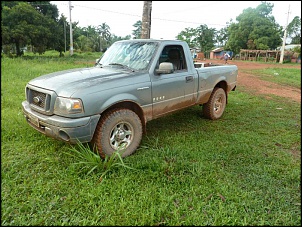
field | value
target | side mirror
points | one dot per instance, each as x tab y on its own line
165	68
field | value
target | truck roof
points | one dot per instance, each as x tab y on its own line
152	40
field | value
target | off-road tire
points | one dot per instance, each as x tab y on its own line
214	108
116	128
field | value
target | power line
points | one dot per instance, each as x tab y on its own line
139	16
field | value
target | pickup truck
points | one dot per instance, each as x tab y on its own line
135	81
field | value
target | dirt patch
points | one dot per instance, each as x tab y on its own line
256	85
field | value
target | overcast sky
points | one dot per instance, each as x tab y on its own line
168	18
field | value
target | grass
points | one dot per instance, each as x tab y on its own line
243	169
283	76
89	161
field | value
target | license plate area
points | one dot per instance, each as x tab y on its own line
33	120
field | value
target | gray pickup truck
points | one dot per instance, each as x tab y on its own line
135	81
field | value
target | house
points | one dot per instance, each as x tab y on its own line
197	55
219	52
289	46
289	54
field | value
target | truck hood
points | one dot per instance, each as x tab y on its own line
67	82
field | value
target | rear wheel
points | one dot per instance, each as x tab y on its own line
118	130
214	108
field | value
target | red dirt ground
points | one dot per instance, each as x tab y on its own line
256	85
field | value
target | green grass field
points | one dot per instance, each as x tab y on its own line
243	169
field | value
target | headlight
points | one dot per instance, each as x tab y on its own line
68	106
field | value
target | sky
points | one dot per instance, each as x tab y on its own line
168	18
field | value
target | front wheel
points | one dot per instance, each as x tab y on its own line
118	130
214	108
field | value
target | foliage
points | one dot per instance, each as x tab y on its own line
256	29
104	33
297	50
22	25
137	32
221	36
60	44
89	162
204	38
35	25
294	30
115	38
187	35
46	9
201	37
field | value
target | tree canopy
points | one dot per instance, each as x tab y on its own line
23	25
255	29
36	25
294	30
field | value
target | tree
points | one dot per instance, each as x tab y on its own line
46	9
22	25
205	38
294	30
104	32
137	32
256	29
297	50
92	40
61	30
201	37
187	35
115	38
221	36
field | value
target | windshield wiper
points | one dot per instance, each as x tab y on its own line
99	64
124	66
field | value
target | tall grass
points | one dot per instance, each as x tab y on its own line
243	169
89	161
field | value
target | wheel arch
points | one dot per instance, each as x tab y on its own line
223	84
131	106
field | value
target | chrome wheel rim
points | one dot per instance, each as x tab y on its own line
121	135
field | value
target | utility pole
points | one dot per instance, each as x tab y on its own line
65	34
71	42
284	39
146	20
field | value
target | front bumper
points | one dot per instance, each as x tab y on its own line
62	128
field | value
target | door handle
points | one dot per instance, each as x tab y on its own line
189	79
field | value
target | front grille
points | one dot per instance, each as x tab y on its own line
40	97
39	100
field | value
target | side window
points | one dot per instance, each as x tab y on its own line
175	55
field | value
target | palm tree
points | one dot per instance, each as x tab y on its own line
104	32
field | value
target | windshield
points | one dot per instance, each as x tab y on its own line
130	55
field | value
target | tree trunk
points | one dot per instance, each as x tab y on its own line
18	51
146	20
